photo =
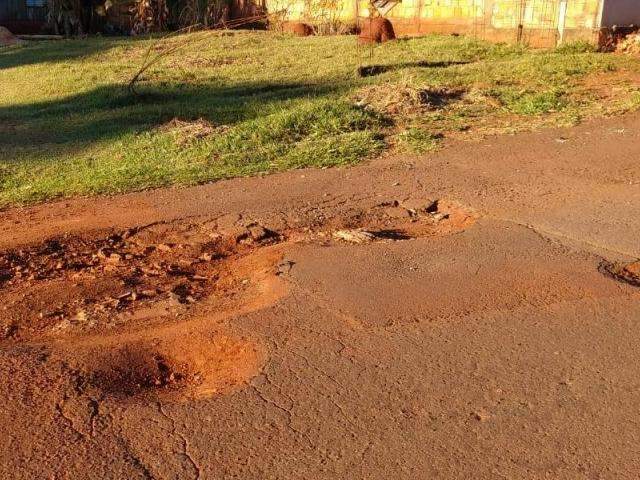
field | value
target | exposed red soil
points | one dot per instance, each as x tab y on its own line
335	323
606	85
174	363
131	312
130	276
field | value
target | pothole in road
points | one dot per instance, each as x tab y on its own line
174	366
414	218
73	285
144	311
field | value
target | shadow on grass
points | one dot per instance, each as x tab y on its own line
54	51
373	70
107	113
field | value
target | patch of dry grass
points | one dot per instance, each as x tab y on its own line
187	131
402	99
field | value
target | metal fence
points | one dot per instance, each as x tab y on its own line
535	22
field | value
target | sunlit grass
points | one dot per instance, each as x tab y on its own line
68	125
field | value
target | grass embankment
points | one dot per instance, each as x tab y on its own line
240	103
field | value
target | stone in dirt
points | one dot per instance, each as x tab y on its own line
633	269
284	267
629	273
419	205
257	232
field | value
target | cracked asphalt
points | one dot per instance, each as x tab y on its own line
497	350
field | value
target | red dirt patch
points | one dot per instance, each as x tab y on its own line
607	85
146	311
172	364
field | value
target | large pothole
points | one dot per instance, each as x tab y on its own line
70	284
147	311
149	275
172	365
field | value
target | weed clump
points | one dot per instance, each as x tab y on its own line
531	102
418	140
394	99
579	46
187	131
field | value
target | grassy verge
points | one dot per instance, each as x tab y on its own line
240	103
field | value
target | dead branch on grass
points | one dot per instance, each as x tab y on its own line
150	60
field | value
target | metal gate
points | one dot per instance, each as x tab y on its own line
534	22
539	22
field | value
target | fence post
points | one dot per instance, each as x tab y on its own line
520	32
562	16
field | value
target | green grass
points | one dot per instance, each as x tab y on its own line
68	125
527	102
418	140
579	46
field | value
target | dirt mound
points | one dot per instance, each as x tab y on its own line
298	29
393	98
376	30
135	368
7	38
